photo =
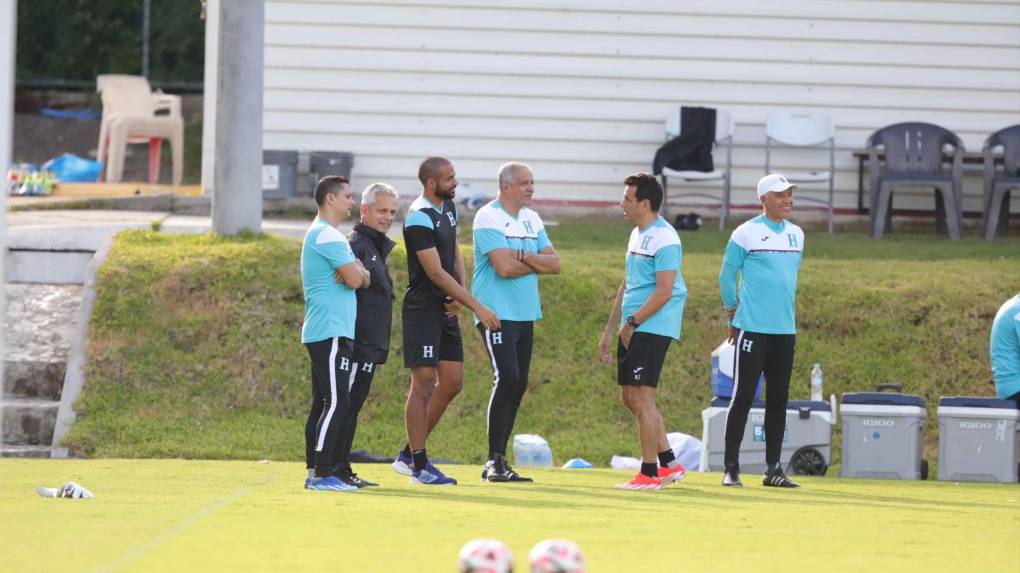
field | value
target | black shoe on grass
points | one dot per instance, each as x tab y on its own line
778	479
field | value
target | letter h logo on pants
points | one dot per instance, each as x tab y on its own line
426	352
746	345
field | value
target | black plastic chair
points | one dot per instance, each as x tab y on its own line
914	157
998	184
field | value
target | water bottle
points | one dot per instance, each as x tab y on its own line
816	383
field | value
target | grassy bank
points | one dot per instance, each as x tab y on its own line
195	347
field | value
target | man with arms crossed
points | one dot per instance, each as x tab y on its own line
511	249
432	343
375	309
651	298
765	252
1004	350
329	275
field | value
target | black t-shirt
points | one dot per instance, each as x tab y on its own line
426	228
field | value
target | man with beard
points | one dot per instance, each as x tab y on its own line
432	342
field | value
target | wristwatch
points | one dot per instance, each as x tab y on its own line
631	321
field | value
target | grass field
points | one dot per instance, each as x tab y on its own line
175	515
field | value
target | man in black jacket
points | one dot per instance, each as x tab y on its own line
375	307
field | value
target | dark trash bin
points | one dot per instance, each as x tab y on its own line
279	174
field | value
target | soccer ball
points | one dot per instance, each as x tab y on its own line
556	556
485	556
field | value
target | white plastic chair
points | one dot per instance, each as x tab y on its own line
130	110
724	128
803	129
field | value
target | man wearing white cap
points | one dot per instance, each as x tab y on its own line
765	253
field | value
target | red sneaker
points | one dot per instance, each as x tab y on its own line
673	474
641	481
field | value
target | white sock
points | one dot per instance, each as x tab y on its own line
311	473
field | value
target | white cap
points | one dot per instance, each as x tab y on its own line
774	183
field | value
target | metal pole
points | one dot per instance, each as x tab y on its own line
237	173
211	14
146	14
9	30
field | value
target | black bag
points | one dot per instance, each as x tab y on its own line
692	149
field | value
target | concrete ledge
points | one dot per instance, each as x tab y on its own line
47	267
33	379
74	379
28	421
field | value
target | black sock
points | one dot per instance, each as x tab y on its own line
771	467
666	457
420	459
323	471
649	469
406	451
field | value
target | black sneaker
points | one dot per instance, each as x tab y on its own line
495	470
514	476
357	481
498	471
778	479
486	469
344	473
732	479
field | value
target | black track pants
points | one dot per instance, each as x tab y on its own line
756	353
331	403
509	350
360	383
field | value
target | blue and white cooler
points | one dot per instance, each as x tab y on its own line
882	435
978	439
722	372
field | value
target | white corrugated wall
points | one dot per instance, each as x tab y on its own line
580	89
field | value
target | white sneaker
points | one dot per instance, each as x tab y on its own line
69	490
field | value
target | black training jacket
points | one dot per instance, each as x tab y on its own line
375	304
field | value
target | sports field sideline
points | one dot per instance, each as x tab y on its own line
177	515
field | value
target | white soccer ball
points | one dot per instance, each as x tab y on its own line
485	556
556	556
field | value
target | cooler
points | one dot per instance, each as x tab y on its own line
882	435
807	443
978	439
722	372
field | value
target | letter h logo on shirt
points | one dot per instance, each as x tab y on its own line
645	242
528	228
793	239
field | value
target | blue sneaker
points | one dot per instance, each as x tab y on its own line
432	476
330	483
403	465
308	483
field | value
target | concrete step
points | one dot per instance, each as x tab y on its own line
25	451
33	379
48	266
28	421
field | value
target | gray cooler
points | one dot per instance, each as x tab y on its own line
807	443
882	436
978	439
